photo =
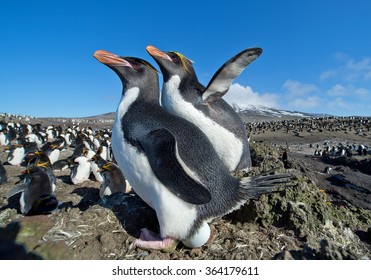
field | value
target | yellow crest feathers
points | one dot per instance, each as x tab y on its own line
183	61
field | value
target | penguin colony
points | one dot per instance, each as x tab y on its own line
178	156
36	150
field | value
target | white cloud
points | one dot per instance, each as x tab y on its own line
337	90
327	74
368	76
295	88
305	103
339	103
348	90
245	96
362	93
301	96
350	69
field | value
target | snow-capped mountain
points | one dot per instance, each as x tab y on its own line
265	112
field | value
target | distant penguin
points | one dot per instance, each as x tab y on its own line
62	164
52	151
69	138
170	163
35	137
80	172
285	159
89	153
34	188
97	163
113	180
44	163
184	96
103	151
327	170
12	133
16	154
4	140
3	174
60	142
96	142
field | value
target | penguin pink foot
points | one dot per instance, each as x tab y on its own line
151	240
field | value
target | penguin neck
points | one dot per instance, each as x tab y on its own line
148	94
188	87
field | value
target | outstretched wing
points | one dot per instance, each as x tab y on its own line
223	78
161	150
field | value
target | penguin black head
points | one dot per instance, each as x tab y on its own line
133	72
172	63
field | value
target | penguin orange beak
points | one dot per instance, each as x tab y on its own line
157	53
110	59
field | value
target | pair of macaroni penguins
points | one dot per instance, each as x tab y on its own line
178	156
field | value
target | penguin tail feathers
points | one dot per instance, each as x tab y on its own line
253	187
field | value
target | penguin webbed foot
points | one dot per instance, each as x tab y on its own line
150	240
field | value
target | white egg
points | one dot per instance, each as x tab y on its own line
199	238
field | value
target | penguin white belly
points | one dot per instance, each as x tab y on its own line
175	216
107	190
54	155
90	154
82	174
97	175
226	144
18	155
104	153
50	135
3	139
96	143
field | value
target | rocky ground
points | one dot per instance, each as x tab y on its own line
321	216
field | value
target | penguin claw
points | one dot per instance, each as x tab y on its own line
150	240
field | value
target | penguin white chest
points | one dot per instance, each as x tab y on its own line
175	216
17	156
227	145
3	139
94	168
82	172
54	155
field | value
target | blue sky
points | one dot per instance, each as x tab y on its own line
316	54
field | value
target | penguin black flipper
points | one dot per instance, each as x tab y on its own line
161	150
19	188
222	79
74	170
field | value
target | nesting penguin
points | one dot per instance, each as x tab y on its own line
52	151
16	154
183	95
37	193
113	180
43	162
80	171
97	163
170	163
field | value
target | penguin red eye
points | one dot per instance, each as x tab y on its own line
174	59
135	66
